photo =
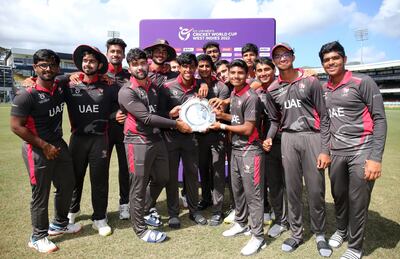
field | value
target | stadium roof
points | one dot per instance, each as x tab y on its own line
364	67
30	52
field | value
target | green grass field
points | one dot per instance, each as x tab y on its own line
382	239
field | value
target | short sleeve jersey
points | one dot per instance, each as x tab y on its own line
245	106
215	89
43	109
89	106
175	93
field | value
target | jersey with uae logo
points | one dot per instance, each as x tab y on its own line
141	103
357	116
43	109
89	106
245	106
300	106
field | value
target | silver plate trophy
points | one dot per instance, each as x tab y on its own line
197	113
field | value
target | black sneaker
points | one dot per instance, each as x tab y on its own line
215	220
198	218
174	222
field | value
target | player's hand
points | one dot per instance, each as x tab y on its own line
218	112
106	79
373	170
51	152
175	111
203	90
267	144
255	84
310	72
120	117
75	78
183	126
215	126
215	102
323	161
28	82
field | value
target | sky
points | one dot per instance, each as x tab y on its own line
62	25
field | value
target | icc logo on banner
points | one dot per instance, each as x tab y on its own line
184	33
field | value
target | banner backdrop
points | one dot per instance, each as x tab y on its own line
189	35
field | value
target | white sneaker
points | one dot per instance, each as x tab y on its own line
69	229
72	216
43	245
253	246
230	218
236	229
124	211
102	226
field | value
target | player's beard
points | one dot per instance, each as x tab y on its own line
91	73
48	78
116	64
141	76
158	63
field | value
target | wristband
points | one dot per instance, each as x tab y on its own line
222	126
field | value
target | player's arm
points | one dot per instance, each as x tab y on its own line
18	127
245	129
323	160
203	88
274	116
374	101
133	105
255	84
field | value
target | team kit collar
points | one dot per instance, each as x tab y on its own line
241	91
114	70
135	83
347	76
94	80
299	71
186	89
44	89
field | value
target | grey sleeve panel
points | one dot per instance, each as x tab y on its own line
22	104
372	97
273	115
224	91
319	102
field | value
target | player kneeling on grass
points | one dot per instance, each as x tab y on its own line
146	151
247	160
36	117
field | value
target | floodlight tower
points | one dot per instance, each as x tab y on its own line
361	35
113	34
